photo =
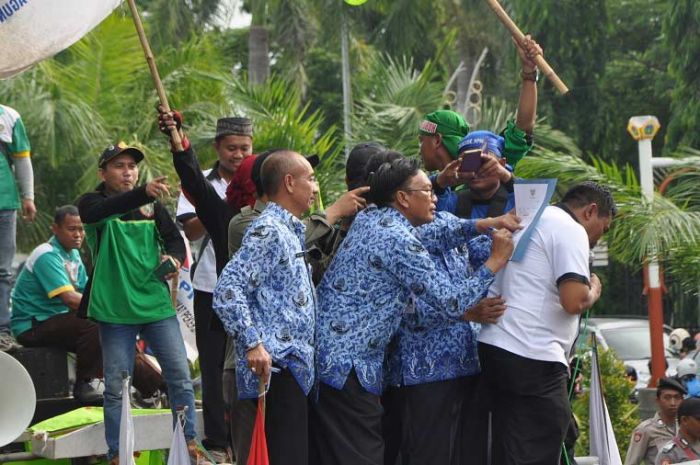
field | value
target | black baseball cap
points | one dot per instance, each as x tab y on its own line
118	149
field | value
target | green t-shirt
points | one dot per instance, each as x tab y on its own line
124	288
49	271
13	143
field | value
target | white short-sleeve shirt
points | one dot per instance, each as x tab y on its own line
535	325
204	278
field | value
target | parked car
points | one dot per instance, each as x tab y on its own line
629	338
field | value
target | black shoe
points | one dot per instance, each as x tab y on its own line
86	394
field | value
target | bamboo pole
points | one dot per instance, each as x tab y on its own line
262	388
174	135
520	37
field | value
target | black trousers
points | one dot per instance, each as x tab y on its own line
431	421
211	346
530	407
286	421
392	424
475	421
346	426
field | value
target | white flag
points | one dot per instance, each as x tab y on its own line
178	454
185	306
602	436
126	428
33	30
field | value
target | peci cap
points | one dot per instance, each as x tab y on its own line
118	149
689	407
239	126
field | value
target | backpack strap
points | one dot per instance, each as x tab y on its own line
464	204
497	203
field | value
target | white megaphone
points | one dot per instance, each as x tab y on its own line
17	399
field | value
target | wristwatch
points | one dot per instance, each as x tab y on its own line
533	76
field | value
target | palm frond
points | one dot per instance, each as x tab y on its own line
664	228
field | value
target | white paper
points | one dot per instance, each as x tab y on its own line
531	198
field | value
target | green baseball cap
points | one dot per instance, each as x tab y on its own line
449	124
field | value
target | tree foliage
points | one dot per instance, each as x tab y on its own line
404	57
682	28
617	389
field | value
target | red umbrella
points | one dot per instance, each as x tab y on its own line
258	444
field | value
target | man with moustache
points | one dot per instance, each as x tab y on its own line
265	299
130	234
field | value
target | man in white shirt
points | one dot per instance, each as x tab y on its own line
524	355
233	142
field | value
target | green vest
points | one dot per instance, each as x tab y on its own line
124	287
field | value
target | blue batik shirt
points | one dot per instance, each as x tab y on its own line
265	294
430	346
381	267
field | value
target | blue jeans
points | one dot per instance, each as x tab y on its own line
8	223
118	346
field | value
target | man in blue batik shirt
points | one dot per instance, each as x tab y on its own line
382	267
435	364
265	299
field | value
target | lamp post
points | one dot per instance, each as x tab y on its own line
345	73
643	129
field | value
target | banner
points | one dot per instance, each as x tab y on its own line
602	436
185	305
33	30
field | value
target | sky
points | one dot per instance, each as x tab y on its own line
232	16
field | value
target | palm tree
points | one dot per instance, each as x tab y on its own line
668	228
71	120
289	29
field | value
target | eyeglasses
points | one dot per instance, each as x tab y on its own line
428	190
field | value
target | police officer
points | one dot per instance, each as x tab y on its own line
651	434
685	445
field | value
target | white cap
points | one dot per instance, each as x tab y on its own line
687	366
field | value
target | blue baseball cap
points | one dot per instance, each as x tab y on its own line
478	139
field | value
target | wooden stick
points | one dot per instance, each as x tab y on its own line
262	387
520	37
174	135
